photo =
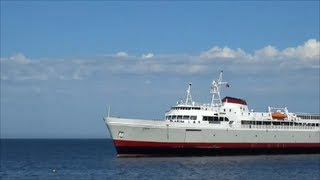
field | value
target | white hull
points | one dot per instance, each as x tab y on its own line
162	131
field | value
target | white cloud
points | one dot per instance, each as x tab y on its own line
147	56
122	54
19	58
223	53
309	50
20	67
268	51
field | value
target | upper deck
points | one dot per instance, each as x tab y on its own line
232	110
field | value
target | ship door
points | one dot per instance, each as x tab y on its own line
194	135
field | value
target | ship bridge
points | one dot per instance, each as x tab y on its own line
189	111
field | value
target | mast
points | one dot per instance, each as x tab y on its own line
215	91
189	98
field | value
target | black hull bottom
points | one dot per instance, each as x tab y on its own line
152	151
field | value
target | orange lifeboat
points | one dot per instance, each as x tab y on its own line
278	115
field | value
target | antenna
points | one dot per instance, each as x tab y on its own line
215	91
109	111
189	97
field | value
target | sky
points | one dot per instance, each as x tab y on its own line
64	63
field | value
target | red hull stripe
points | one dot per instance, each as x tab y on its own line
125	143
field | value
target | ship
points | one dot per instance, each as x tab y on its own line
223	127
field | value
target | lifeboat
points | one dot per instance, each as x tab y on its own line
278	115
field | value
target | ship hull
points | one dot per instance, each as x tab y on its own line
138	148
160	138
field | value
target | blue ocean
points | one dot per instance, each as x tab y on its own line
96	159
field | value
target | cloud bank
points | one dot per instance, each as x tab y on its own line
305	56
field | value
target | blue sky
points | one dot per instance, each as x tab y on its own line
64	63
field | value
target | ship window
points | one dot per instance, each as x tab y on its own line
210	118
226	119
193	117
245	122
179	117
266	123
220	118
317	124
186	117
174	117
276	123
224	110
229	110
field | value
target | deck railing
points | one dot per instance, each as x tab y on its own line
278	127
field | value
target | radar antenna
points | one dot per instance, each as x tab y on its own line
215	91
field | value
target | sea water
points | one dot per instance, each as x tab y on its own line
96	159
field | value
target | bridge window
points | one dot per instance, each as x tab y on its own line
193	117
186	117
207	118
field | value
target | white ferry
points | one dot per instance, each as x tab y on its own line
224	126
